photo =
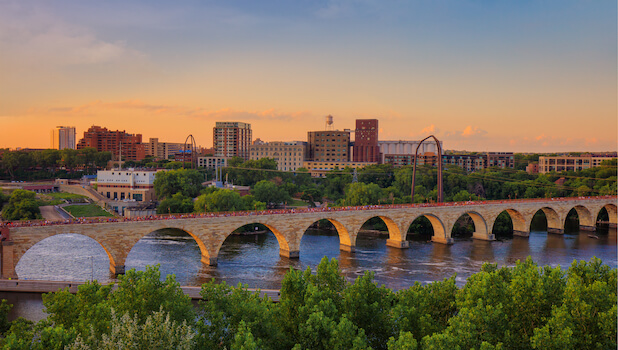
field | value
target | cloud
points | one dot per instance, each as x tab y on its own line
430	130
98	107
229	114
30	35
470	131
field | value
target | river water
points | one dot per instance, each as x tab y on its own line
254	259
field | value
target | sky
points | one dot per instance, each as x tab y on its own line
480	75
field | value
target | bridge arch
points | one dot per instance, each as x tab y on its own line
612	212
205	255
395	238
346	243
518	222
586	220
439	232
25	249
554	223
480	226
284	246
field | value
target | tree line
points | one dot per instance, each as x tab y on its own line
520	307
383	183
26	165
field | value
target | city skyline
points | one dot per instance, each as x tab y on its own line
481	76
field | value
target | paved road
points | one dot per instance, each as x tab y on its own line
49	212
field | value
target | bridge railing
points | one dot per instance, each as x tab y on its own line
30	223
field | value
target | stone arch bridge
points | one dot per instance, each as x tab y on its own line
117	238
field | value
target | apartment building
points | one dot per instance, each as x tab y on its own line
288	155
117	142
571	163
232	139
162	150
328	146
63	137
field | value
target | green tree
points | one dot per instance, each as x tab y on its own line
157	332
405	341
188	182
177	203
226	313
221	200
369	307
269	193
141	293
502	307
586	318
22	205
362	194
424	310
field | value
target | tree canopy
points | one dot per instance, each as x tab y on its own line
22	205
520	307
188	182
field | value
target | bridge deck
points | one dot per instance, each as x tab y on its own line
32	286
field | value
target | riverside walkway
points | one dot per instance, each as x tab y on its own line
33	286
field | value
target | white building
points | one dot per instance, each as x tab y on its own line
127	184
63	137
402	147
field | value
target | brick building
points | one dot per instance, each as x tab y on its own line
116	142
366	147
328	146
232	139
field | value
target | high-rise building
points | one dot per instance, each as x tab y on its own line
63	137
117	142
366	147
232	139
328	146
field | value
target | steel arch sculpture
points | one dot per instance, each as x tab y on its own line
190	143
440	192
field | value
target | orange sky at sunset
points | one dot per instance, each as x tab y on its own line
522	77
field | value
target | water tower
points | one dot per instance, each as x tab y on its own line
329	122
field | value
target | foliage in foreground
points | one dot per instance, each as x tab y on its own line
520	307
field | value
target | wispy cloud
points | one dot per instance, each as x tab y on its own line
28	34
470	131
99	107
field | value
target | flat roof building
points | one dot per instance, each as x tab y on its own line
232	139
63	137
162	150
127	184
288	155
366	147
571	163
328	146
117	142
